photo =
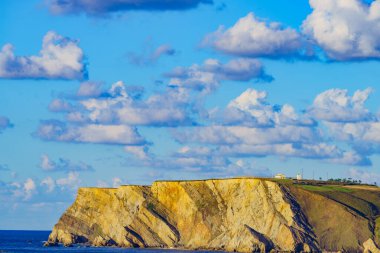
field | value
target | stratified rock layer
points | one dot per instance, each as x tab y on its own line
244	215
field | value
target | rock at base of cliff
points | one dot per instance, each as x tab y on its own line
370	247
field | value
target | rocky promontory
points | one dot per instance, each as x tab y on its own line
238	214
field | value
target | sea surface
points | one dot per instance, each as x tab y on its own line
32	241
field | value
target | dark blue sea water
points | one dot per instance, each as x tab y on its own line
32	241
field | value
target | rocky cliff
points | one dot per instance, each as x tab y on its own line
244	215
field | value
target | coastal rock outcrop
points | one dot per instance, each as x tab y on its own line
243	215
370	247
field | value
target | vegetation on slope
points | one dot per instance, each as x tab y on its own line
377	231
341	215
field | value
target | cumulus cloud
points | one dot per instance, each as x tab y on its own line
148	58
49	183
205	162
336	105
208	76
165	109
34	191
336	30
345	29
251	127
59	58
53	130
99	7
347	119
366	176
59	105
23	190
254	142
118	105
139	152
63	164
251	108
115	183
360	131
68	184
248	135
247	127
4	123
253	37
89	89
320	151
72	181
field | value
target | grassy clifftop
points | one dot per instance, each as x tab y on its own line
342	216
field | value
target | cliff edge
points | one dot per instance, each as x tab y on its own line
243	215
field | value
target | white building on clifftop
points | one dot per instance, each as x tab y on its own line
280	176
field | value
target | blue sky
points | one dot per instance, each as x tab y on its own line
103	94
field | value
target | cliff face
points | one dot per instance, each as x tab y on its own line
244	215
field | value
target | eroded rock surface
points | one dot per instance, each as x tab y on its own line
244	215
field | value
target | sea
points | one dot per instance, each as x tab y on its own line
32	241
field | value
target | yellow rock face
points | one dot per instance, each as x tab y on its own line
244	215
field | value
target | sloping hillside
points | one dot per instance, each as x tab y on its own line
342	217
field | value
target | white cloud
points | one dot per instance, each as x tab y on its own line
102	184
90	133
335	105
24	190
345	29
351	158
33	191
59	105
49	183
63	164
205	162
249	135
140	152
72	181
116	182
118	106
46	164
365	132
248	146
59	58
251	108
348	120
150	57
89	89
208	76
365	176
252	37
321	151
251	127
29	188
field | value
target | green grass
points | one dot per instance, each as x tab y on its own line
281	181
365	203
325	188
377	230
150	206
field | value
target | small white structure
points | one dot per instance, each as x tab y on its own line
299	177
280	176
